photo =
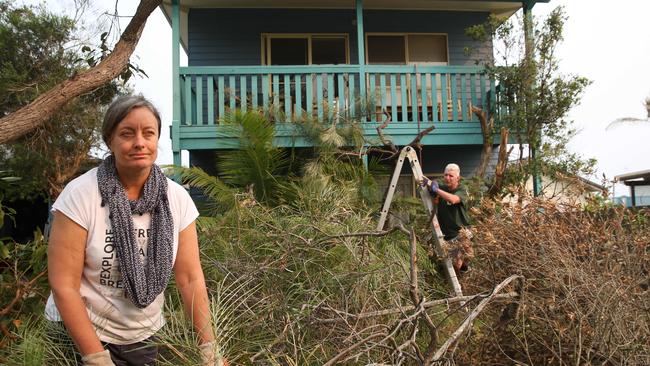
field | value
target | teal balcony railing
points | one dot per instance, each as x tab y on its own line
406	93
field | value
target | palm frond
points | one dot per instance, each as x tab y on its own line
257	164
232	308
212	187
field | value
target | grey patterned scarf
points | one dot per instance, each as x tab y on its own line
142	282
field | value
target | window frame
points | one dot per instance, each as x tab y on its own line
266	52
406	44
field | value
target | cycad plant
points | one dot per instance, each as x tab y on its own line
257	169
257	165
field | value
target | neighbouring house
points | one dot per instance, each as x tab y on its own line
567	189
556	186
639	183
318	57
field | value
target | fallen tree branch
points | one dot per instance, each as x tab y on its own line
415	297
47	104
340	355
426	304
414	290
416	141
389	147
367	233
470	318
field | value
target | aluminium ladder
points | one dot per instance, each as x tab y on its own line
409	153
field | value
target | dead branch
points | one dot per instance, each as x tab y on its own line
502	162
416	141
427	304
386	121
470	318
414	290
388	144
415	297
340	355
487	127
367	233
389	147
42	108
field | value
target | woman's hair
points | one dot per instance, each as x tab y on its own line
118	110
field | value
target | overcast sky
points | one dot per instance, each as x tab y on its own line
607	42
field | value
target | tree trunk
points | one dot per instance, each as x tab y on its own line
502	163
487	127
42	108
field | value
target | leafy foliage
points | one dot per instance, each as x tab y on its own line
36	55
534	98
257	163
298	271
32	41
23	284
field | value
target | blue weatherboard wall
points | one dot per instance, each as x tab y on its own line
449	22
232	37
227	37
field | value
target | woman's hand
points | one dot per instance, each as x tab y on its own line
211	355
98	359
191	284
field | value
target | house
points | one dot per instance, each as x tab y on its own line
639	183
557	186
561	189
319	57
567	189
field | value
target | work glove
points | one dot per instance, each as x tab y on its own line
102	358
211	355
432	185
424	183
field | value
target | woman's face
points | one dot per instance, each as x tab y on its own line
134	142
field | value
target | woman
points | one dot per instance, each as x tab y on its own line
119	231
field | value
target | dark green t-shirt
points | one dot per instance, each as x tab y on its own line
453	217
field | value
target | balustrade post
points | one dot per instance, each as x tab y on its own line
361	51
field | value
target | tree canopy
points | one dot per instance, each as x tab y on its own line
38	56
534	97
34	114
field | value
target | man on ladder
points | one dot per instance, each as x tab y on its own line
452	215
426	187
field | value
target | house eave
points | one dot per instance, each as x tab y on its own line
634	177
503	8
493	6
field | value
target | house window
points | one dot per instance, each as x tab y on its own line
423	49
403	49
386	50
304	49
290	51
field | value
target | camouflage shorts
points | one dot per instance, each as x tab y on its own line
461	246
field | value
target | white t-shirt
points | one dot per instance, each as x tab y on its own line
115	318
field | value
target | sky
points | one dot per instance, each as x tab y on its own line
606	41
